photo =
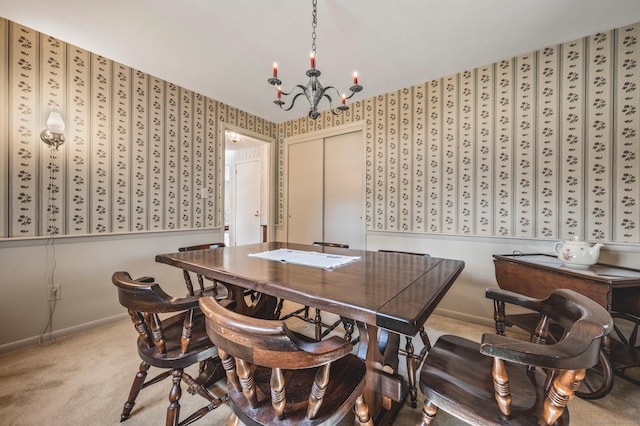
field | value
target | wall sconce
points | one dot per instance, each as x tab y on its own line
233	136
52	135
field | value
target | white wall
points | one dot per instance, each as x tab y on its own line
83	268
465	300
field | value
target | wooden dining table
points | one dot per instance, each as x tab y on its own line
384	293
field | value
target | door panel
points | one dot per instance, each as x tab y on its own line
326	190
305	192
247	211
343	190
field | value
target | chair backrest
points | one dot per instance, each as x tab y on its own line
187	276
144	301
145	296
507	380
269	343
584	321
244	341
565	358
326	244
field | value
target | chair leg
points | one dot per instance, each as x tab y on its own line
429	411
279	308
233	420
362	412
349	326
413	364
318	325
412	368
173	411
136	387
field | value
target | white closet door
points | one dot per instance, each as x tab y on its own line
344	190
305	196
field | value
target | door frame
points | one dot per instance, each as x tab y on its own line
357	126
270	178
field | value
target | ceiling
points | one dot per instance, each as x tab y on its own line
224	49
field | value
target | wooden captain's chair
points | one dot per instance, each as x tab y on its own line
303	313
200	278
276	376
249	302
506	381
171	344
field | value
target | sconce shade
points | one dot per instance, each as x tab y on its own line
55	124
233	136
53	134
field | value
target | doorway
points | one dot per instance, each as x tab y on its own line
247	191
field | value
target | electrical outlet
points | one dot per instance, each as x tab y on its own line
54	292
204	193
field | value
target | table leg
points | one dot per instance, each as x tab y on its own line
259	305
384	391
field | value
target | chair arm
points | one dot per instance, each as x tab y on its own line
514	299
333	347
184	303
579	349
179	303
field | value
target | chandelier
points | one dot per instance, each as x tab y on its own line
313	90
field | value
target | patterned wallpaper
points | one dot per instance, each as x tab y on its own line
544	145
137	150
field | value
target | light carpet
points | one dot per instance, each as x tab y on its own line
84	379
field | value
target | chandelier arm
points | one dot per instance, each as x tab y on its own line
351	95
297	86
324	91
334	110
331	108
293	102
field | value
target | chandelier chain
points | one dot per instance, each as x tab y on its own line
314	23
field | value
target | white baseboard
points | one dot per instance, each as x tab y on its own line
31	341
104	321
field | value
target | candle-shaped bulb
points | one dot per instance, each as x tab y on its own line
344	99
355	78
313	59
279	92
275	70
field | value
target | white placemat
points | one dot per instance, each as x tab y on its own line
307	258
